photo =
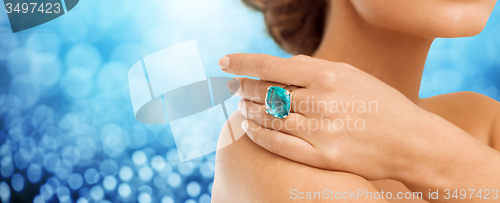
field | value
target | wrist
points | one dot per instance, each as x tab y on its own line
444	156
427	152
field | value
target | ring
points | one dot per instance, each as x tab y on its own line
278	101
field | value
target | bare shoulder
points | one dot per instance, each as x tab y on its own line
473	112
245	172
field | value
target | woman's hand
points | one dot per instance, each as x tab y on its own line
344	119
341	118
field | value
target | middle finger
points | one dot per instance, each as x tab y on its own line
255	91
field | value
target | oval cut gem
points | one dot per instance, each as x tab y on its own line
277	102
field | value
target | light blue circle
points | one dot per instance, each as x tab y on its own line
45	69
44	42
8	41
38	199
75	181
138	137
50	161
48	143
85	192
71	154
145	173
77	82
87	153
73	28
139	158
193	189
43	115
82	200
96	192
165	170
53	181
144	188
27	148
34	173
158	162
160	182
205	198
112	77
4	192
186	168
21	162
126	173
210	185
17	182
23	87
63	169
17	133
108	167
128	53
109	183
85	56
19	61
144	198
46	191
167	199
91	176
207	169
124	190
38	157
113	136
173	156
174	180
63	194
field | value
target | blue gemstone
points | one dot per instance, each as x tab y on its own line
277	102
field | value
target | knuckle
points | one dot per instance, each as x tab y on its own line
243	81
255	132
265	67
300	57
330	156
276	144
328	78
260	87
288	124
346	65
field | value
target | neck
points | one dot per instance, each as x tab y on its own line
395	58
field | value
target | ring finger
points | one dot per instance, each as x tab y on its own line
255	91
294	124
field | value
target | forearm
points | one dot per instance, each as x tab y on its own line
449	159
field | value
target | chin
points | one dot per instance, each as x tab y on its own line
465	24
428	18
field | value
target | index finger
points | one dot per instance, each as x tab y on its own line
271	68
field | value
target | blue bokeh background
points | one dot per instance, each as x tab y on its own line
67	128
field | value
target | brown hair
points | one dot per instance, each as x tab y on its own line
295	25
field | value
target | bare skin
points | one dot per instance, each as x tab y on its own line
393	53
481	122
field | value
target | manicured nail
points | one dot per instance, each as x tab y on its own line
224	63
244	125
233	85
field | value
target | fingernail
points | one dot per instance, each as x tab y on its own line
224	63
233	85
244	125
